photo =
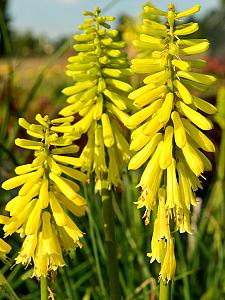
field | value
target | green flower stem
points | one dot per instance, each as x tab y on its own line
6	285
44	288
164	291
110	241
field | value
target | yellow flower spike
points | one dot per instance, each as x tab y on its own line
100	71
38	212
169	138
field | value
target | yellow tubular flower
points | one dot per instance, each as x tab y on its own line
100	70
167	129
4	249
47	191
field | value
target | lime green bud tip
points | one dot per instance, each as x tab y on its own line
171	6
97	10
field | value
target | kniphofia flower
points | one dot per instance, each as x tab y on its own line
167	130
99	96
48	191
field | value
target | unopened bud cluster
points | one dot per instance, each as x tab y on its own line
99	96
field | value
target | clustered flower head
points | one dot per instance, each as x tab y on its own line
99	96
48	191
167	129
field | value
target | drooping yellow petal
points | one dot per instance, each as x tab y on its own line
179	131
167	148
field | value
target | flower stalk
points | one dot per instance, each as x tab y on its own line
44	288
110	242
164	290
